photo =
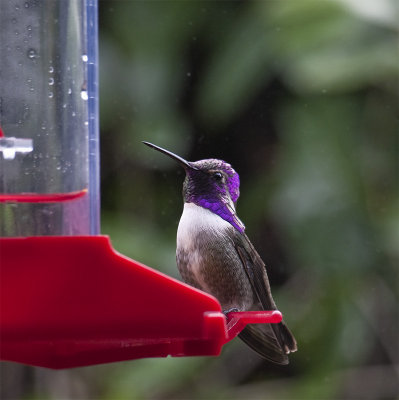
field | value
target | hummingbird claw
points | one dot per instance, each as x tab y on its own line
234	309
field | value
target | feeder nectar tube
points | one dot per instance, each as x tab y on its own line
49	156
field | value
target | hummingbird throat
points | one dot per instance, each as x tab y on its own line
224	210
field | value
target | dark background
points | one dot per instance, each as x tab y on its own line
301	98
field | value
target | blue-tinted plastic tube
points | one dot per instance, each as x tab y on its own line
93	110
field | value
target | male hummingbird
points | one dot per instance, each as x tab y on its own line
215	255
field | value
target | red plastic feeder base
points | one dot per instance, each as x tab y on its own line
73	301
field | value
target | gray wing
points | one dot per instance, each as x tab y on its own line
272	341
255	269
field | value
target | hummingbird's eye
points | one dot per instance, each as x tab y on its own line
218	176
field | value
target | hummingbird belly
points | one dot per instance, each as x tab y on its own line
207	259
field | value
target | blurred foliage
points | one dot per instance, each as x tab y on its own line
301	97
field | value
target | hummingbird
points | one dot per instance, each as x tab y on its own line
214	254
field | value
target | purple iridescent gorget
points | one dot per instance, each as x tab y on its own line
218	196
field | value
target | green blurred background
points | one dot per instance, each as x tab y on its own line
301	97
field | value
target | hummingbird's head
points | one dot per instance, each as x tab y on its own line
210	183
211	179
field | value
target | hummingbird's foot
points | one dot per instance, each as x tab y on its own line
225	312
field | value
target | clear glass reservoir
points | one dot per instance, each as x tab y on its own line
49	166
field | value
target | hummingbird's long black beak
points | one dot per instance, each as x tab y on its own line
184	163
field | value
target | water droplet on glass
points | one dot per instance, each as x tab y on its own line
51	69
86	123
50	95
32	54
31	89
84	95
26	5
58	167
73	113
51	81
84	58
29	28
69	91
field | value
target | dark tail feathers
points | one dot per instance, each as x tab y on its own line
272	341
